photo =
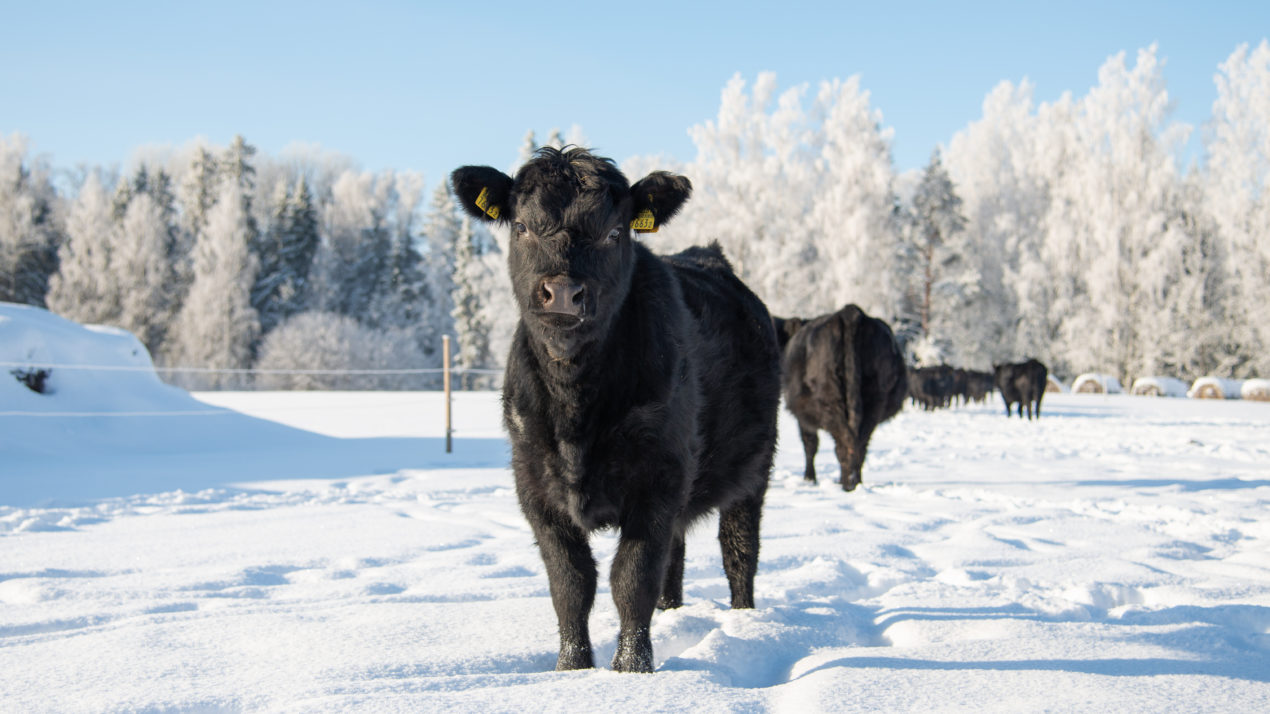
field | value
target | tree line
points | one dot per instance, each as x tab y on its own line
1069	230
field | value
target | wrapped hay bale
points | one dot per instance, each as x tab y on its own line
1095	383
1258	390
1216	388
1158	387
1053	386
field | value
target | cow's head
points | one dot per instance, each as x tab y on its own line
786	328
571	215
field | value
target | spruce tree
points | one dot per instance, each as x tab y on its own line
83	289
944	274
473	331
29	239
217	325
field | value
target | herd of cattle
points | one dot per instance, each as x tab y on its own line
641	391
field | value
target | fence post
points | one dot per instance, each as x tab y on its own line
445	368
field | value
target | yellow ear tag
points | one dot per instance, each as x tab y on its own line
644	222
482	202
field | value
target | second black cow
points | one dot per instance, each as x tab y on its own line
842	373
1021	383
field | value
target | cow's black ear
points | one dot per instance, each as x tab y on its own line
658	197
482	191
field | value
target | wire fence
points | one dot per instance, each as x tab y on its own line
35	374
248	379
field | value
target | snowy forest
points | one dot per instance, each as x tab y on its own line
1072	231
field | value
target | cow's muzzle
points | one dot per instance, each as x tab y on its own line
562	295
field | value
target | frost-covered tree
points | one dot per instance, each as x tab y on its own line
471	280
266	293
527	149
1108	208
355	244
327	343
945	283
29	238
403	287
1237	170
757	141
441	231
139	262
298	248
84	289
196	194
853	217
217	326
285	250
997	165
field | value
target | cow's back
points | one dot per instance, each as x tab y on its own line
739	375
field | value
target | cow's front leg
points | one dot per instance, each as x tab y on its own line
638	571
571	576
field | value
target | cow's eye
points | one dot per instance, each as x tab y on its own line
520	229
614	236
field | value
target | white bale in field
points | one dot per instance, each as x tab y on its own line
1158	387
1053	386
1258	390
1095	383
1216	388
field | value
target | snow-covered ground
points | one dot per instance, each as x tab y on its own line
321	552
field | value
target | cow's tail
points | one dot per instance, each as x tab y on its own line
851	376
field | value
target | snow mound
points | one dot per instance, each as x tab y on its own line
1216	388
1158	387
1095	383
90	368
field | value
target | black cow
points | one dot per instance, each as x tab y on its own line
641	392
843	373
932	387
978	386
1022	383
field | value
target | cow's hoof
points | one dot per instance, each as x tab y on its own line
634	653
571	658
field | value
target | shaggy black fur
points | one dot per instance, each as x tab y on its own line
641	391
1022	383
842	373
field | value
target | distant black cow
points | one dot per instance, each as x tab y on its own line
1022	383
931	387
978	385
842	373
641	392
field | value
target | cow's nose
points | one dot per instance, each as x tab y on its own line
563	295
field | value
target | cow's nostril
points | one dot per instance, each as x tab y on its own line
579	296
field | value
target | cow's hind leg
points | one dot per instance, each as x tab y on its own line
672	590
811	442
738	537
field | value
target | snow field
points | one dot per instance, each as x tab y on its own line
1111	556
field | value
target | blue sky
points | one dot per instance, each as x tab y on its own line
430	86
